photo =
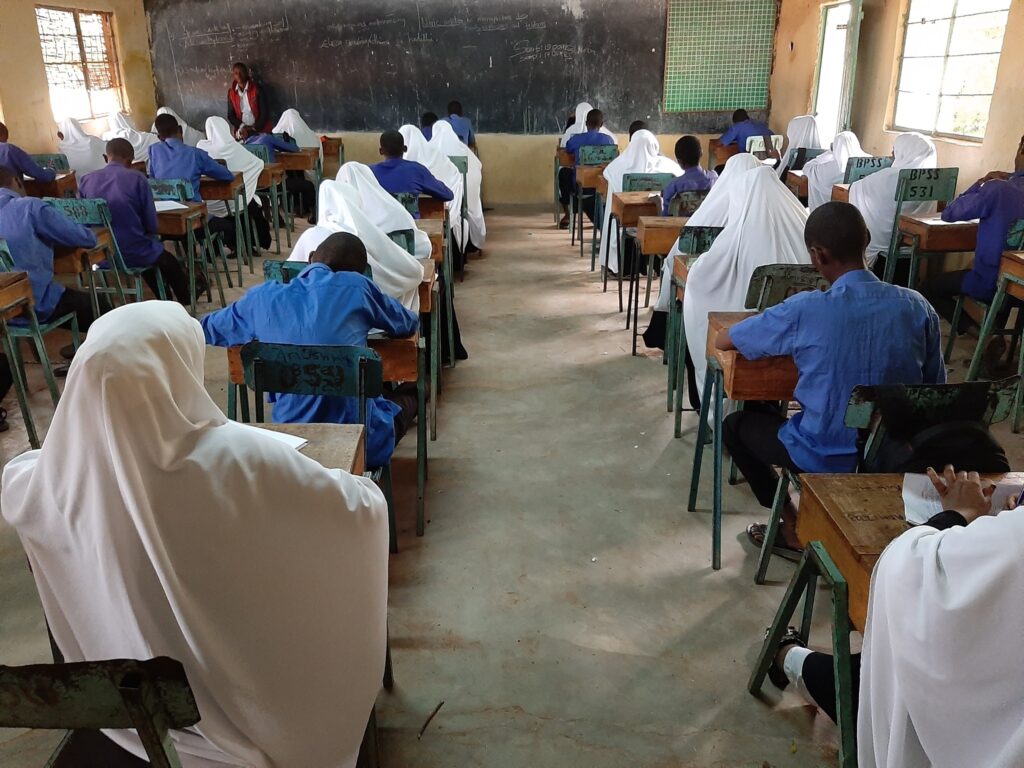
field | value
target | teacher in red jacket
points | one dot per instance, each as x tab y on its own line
246	103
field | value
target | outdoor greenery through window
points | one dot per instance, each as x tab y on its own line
81	62
948	69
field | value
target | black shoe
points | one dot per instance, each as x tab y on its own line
776	673
4	426
68	352
61	370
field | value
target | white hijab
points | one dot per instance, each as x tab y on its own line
765	226
580	124
156	527
189	135
447	143
386	213
713	212
828	168
941	678
122	127
84	152
875	195
643	155
221	145
802	133
291	122
419	150
341	209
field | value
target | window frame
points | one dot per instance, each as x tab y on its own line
895	126
110	44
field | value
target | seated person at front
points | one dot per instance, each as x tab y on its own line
939	680
694	178
133	217
592	137
32	228
172	158
296	184
400	176
427	120
998	200
860	331
330	303
461	125
637	125
744	127
19	161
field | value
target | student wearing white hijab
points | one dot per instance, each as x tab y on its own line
122	127
875	195
765	226
189	135
386	213
83	151
802	133
419	150
291	122
643	155
580	124
447	143
156	527
341	207
829	168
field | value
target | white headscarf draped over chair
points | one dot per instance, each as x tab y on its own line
802	133
189	135
341	209
381	208
84	151
875	195
580	124
765	226
828	168
445	141
156	527
122	127
220	144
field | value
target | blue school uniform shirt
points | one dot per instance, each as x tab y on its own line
272	143
998	204
463	128
132	211
32	228
398	175
694	179
173	159
586	139
326	308
738	133
19	161
427	131
860	331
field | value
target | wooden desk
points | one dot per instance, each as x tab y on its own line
589	176
936	235
333	146
15	294
434	229
427	287
272	173
65	185
139	166
212	189
628	207
335	446
1012	263
657	234
718	153
431	208
77	261
303	160
797	181
771	378
855	517
841	193
680	271
178	223
565	158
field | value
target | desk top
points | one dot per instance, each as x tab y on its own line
657	234
934	234
770	378
335	446
629	206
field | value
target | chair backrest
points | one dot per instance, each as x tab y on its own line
277	271
926	185
405	238
799	160
645	182
6	259
409	201
178	190
596	155
461	162
687	203
261	151
1015	236
150	696
772	284
859	167
697	240
756	144
87	211
54	162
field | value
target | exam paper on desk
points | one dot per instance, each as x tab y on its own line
294	441
169	205
921	501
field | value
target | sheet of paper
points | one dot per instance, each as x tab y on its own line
169	205
294	441
921	501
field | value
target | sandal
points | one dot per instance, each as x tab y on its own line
756	533
776	673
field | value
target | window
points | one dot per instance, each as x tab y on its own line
948	69
81	62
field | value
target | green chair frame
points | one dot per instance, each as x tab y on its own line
275	194
859	167
56	162
916	185
409	201
597	154
803	156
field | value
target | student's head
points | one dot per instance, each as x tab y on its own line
11	180
3	133
119	151
688	151
167	127
595	119
428	119
1018	161
392	144
342	252
455	108
740	115
836	238
239	73
636	125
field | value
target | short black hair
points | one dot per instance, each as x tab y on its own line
688	151
393	143
595	118
242	66
637	125
455	108
3	132
428	119
839	229
342	252
166	126
119	149
740	115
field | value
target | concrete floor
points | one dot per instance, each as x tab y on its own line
562	603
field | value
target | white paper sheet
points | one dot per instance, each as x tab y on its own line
295	441
921	501
169	205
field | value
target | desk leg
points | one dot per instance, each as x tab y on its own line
18	374
289	220
613	222
421	438
275	214
91	277
702	432
449	301
240	241
716	510
681	383
435	360
595	231
190	248
670	352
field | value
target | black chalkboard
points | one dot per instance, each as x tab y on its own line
518	66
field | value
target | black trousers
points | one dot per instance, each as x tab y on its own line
752	438
175	277
406	398
820	679
302	192
78	302
258	216
225	226
567	193
6	377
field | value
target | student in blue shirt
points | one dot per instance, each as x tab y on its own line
694	178
133	216
860	331
592	137
329	303
296	184
398	175
19	161
742	128
461	125
427	121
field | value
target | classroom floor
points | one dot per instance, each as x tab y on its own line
562	603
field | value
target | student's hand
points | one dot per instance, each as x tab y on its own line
963	492
993	175
1013	502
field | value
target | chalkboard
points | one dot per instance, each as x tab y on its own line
518	66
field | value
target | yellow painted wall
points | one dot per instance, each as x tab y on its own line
24	98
